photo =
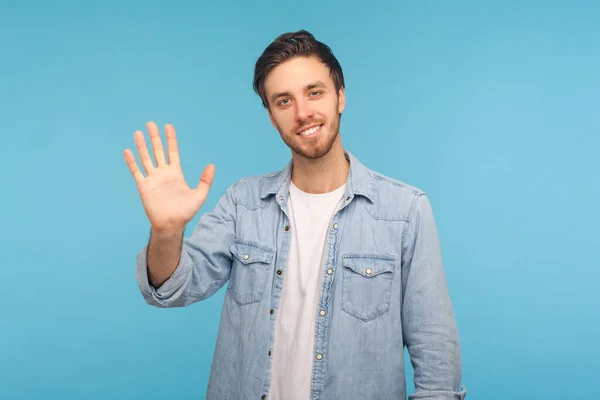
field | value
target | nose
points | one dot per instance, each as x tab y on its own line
303	110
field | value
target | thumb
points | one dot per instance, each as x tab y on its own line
206	181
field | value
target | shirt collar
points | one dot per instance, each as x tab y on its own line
358	183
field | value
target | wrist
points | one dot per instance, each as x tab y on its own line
166	232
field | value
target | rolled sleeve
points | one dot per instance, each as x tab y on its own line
439	395
428	323
171	289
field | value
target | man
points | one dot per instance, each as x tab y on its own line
331	268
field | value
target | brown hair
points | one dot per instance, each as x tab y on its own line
289	45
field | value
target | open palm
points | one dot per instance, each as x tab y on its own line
168	200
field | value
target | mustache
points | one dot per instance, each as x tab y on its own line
309	123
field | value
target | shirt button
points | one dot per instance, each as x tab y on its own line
322	313
269	352
287	228
319	356
329	271
280	197
246	256
368	271
263	397
272	311
335	226
278	272
348	198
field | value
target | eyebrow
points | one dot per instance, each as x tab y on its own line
310	86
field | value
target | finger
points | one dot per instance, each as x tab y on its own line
157	146
206	181
172	148
140	143
133	168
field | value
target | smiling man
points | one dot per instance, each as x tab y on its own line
331	268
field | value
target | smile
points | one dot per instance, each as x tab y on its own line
310	131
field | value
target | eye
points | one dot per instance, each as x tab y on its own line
315	93
283	102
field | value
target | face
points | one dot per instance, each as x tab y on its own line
304	106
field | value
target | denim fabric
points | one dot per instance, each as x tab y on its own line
383	288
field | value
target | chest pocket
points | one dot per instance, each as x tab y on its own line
367	284
249	271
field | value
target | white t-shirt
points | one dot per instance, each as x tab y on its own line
292	353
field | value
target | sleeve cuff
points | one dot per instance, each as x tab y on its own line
439	395
160	297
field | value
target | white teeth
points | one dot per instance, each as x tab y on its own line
310	131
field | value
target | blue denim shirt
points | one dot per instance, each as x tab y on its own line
383	288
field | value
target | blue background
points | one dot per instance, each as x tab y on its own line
492	108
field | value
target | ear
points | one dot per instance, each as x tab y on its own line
341	100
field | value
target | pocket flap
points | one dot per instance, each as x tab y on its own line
250	252
369	265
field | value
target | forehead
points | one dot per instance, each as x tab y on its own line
296	73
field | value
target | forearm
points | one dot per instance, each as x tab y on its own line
436	359
431	335
164	251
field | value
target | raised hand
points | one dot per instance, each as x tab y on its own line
168	200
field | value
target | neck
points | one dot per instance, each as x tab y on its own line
322	175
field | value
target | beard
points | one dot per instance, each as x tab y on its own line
318	149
